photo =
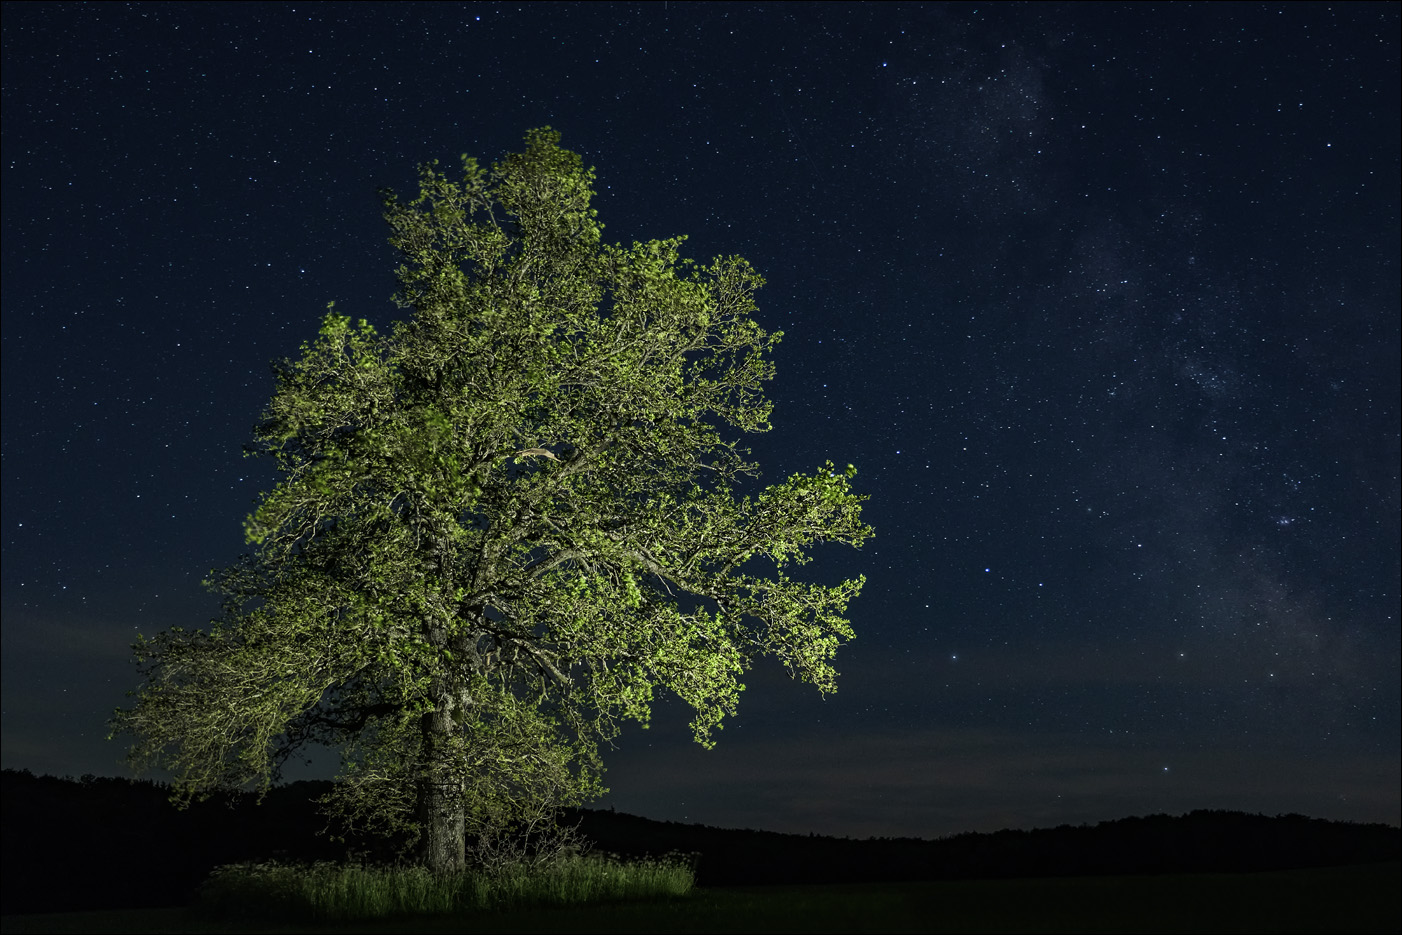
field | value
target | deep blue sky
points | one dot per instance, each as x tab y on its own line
1102	300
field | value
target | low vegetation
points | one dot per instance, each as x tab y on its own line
1356	900
328	892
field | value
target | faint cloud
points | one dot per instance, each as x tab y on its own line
91	637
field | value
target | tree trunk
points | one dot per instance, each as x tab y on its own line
440	808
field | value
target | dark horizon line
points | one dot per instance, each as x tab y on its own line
788	834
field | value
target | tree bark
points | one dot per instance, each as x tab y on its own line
441	811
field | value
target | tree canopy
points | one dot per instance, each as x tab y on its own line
503	527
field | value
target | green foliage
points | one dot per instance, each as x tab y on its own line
502	527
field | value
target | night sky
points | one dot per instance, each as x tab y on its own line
1101	300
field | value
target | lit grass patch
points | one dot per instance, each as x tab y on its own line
332	892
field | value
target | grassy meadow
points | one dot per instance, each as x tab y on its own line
328	892
1364	898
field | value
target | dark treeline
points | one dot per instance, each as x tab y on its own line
99	843
1200	842
103	843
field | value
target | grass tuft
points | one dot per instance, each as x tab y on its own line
326	892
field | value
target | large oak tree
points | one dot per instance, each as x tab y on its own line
500	529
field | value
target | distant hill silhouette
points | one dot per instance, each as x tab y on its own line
100	843
1200	842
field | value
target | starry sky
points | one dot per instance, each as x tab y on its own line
1102	301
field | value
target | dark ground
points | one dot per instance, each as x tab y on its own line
98	843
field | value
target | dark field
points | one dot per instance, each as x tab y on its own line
1334	899
111	855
